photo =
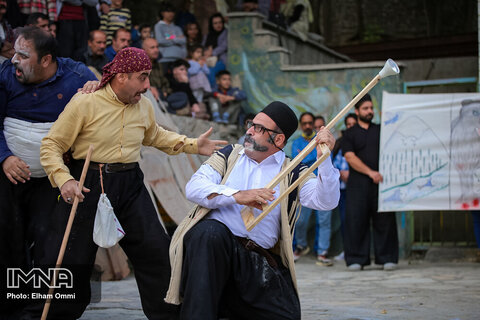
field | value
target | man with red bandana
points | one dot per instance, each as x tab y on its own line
117	120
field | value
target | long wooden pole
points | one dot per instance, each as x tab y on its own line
73	211
247	214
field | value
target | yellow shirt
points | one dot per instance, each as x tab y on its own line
116	131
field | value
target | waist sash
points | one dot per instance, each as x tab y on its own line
24	139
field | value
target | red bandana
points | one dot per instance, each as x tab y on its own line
127	60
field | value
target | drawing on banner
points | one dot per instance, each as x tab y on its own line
430	152
412	172
466	152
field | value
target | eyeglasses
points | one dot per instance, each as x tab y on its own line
258	128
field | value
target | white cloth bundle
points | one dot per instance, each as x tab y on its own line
107	231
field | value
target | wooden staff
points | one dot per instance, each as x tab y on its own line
73	211
390	68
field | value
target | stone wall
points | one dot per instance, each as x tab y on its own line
349	22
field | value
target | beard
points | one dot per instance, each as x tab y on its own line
366	118
254	146
308	132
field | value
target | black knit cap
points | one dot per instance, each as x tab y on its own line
283	116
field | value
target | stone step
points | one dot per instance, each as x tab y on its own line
265	38
283	54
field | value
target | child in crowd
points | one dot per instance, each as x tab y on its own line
171	41
116	18
144	31
227	101
193	34
198	72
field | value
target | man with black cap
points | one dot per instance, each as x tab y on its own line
218	267
361	144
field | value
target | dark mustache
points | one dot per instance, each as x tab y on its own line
248	138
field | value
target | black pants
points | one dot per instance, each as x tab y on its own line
24	215
361	207
72	37
222	278
145	243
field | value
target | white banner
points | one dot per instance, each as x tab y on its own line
430	152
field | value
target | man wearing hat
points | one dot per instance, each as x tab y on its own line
117	120
219	269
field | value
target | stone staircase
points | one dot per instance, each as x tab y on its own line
271	63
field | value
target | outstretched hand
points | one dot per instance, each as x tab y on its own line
206	146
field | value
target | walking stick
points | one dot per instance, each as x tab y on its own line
390	68
73	211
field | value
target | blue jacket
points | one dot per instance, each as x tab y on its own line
238	93
110	53
298	145
41	102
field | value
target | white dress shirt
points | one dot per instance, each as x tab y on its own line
321	193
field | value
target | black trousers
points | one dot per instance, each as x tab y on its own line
24	216
72	36
145	243
222	278
361	208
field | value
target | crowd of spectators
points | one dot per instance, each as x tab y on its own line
93	31
186	65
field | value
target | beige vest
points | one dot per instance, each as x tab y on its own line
283	246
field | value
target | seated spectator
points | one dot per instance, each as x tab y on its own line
6	34
116	18
248	117
6	51
95	55
182	101
250	5
260	6
171	41
299	15
38	19
145	32
275	15
52	27
159	84
193	34
121	39
198	72
135	35
215	44
227	101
